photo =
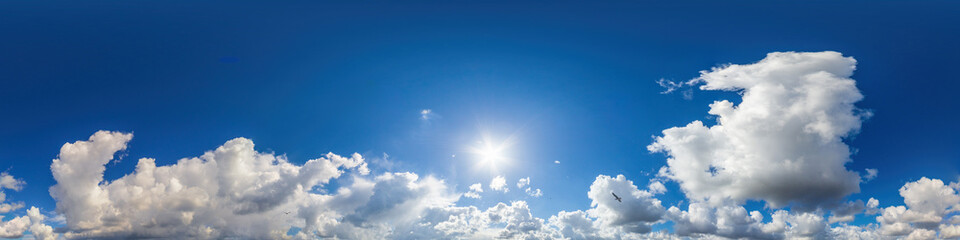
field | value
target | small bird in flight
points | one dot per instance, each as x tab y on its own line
286	212
615	196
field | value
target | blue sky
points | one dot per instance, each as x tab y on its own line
572	82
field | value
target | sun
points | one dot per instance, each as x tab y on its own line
490	154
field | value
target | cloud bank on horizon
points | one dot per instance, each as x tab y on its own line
782	145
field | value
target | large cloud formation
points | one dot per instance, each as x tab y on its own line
236	191
233	190
782	144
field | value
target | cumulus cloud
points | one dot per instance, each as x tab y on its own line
520	224
499	183
523	182
391	204
9	182
927	201
533	192
38	229
634	213
725	221
656	187
732	221
576	225
15	227
231	191
236	191
846	212
475	191
782	144
6	207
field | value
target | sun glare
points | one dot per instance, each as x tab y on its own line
490	154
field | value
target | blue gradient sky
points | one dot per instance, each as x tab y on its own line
566	81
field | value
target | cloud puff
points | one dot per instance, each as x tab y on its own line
871	174
499	183
576	225
475	191
782	144
927	201
656	187
39	230
520	224
534	192
634	213
523	182
732	221
15	227
9	182
725	221
391	206
425	114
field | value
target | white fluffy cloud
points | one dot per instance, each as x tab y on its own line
534	192
39	230
231	191
726	221
9	182
236	191
927	201
33	221
475	191
525	182
781	144
15	227
499	183
635	211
